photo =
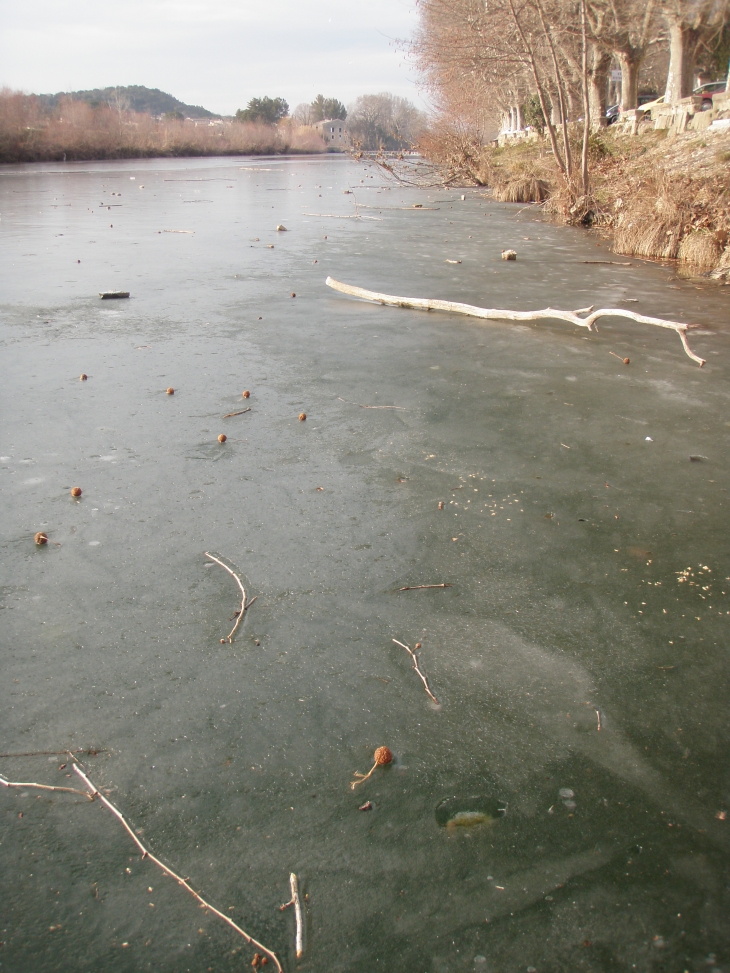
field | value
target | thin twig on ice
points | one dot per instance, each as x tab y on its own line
421	676
496	314
45	787
244	605
53	753
168	871
417	587
400	408
297	903
229	414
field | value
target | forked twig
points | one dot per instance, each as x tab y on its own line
244	605
498	314
417	587
421	676
45	787
168	871
297	903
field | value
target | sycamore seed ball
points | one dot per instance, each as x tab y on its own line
302	416
171	391
383	756
83	376
41	538
247	394
76	491
222	438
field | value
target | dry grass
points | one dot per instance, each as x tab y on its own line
525	189
722	270
76	130
699	252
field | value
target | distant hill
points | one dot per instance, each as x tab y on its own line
134	97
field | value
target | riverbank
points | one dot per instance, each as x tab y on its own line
655	196
79	131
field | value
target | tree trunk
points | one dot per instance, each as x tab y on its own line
630	64
519	120
683	43
586	98
598	85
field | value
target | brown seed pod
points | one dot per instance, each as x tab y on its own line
382	756
302	416
76	491
293	294
171	391
222	438
627	361
83	376
41	538
246	394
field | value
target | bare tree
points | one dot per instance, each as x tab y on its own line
384	121
303	114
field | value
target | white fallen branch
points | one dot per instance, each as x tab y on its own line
498	314
297	903
168	871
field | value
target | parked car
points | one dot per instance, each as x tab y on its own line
648	106
708	90
614	111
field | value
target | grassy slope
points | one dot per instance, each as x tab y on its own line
657	196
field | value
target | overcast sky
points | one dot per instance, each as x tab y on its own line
215	53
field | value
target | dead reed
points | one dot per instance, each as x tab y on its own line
77	130
525	189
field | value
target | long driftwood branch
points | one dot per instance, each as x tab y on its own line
168	871
297	903
244	605
498	314
414	659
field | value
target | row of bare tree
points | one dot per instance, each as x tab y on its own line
482	58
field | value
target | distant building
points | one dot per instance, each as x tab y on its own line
334	132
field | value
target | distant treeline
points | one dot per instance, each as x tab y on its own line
76	130
133	97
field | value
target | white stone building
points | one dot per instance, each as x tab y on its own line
334	132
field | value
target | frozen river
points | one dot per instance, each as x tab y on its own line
563	808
